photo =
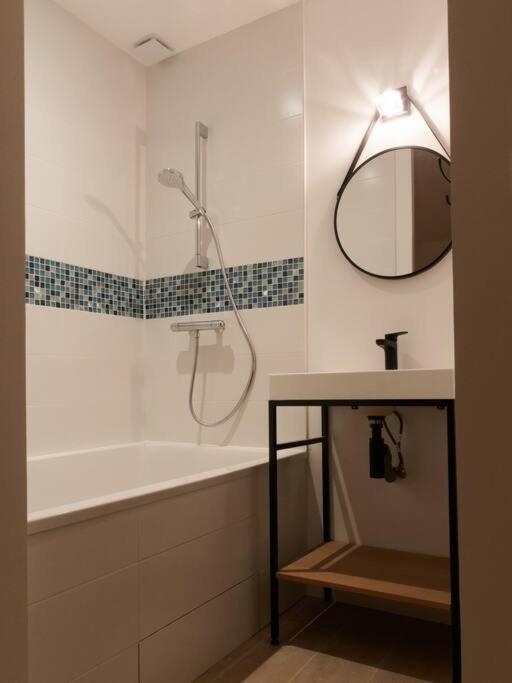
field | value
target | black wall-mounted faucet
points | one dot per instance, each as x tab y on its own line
390	346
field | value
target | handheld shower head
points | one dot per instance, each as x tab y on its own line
170	177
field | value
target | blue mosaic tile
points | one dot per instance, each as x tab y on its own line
257	285
62	285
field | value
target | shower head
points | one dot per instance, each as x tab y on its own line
170	177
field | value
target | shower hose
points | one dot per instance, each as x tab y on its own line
245	333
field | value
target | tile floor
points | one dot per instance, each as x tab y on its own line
340	644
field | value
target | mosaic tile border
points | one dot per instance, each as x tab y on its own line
256	285
63	285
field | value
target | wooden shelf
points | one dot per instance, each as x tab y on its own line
390	574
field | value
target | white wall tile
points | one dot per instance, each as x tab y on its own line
218	627
181	579
266	238
220	374
174	254
44	232
250	426
246	428
61	428
256	142
85	120
172	421
74	631
84	379
91	229
107	379
85	130
266	191
56	331
69	556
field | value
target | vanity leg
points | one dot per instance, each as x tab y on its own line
454	546
326	487
273	518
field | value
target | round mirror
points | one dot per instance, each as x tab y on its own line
392	218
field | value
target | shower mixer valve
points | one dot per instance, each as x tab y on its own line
198	325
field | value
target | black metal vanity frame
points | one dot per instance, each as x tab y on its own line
442	404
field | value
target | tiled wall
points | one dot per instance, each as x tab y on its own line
85	123
64	285
256	285
247	87
110	378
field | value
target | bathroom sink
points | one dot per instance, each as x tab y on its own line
385	384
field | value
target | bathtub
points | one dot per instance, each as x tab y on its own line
148	562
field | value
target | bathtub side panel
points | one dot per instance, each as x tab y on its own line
169	523
192	567
71	633
184	650
66	557
123	668
184	578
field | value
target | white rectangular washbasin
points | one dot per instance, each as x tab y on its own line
384	385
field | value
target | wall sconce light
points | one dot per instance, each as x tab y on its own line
393	103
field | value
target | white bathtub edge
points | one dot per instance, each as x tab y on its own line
84	510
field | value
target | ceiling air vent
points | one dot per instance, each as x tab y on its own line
151	50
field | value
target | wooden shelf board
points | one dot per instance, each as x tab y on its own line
390	574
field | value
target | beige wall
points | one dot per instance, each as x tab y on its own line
481	100
13	514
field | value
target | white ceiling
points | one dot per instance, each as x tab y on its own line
179	23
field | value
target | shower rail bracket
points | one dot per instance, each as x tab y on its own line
201	138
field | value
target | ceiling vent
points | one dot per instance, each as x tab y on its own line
151	50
